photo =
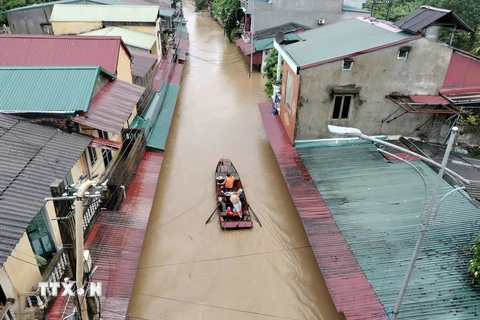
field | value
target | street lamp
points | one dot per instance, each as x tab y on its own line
354	132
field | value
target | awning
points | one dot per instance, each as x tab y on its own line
245	47
463	96
105	144
424	104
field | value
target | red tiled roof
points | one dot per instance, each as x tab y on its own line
350	290
44	50
111	106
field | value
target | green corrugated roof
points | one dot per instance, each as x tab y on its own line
47	89
340	39
376	205
161	108
267	43
181	29
130	37
96	13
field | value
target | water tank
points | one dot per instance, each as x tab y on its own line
432	33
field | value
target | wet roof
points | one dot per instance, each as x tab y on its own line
426	15
48	89
130	37
44	50
96	13
142	62
157	117
166	12
267	43
112	106
339	40
376	205
284	28
33	156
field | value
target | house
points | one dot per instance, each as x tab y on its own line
271	13
33	157
110	53
34	19
87	100
133	39
384	79
167	15
263	41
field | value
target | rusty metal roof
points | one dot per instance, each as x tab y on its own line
44	50
111	106
426	15
463	72
32	157
142	62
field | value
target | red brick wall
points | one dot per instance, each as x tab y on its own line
289	118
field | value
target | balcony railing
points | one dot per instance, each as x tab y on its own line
6	311
54	273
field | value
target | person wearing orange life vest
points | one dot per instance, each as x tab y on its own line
228	182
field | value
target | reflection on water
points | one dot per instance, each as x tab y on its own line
189	270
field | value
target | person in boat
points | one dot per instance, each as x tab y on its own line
228	182
237	205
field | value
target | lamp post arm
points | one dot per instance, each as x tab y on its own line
443	198
438	165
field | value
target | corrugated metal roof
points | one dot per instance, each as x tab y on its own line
335	41
166	12
43	50
47	89
267	43
426	15
130	37
111	106
96	13
463	72
33	156
157	117
376	205
284	28
142	62
107	2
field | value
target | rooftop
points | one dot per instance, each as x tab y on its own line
33	156
48	89
96	13
142	62
111	107
343	39
130	37
44	50
267	43
284	28
166	12
426	16
377	206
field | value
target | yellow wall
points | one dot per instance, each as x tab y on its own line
154	50
124	66
74	27
22	274
78	169
146	29
50	208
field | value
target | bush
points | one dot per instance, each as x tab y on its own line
270	70
474	267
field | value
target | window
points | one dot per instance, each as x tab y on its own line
39	235
289	92
106	154
347	64
403	53
92	154
341	107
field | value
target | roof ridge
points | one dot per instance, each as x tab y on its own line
65	37
52	68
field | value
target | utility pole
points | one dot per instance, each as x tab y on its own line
79	196
251	36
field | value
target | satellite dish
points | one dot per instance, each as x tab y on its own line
279	37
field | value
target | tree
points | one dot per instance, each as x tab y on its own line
228	13
201	4
270	70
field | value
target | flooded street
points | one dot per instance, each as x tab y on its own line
189	270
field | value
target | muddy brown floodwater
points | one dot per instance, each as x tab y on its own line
189	270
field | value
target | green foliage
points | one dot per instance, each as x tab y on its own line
474	266
227	13
234	33
201	4
270	70
469	118
41	261
467	10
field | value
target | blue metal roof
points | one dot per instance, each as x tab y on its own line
377	204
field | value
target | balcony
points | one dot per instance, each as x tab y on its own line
6	311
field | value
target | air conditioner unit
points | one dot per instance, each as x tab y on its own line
87	261
321	21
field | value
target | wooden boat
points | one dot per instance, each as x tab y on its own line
228	221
